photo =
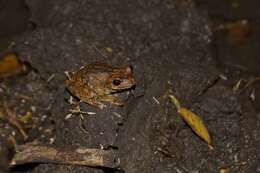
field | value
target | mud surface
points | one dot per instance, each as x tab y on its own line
173	48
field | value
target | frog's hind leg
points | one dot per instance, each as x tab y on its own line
90	98
94	102
112	99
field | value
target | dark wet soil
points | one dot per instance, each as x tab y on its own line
190	49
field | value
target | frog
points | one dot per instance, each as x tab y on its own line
99	83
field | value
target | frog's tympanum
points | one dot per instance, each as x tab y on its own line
97	83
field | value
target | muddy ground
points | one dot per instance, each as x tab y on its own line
185	48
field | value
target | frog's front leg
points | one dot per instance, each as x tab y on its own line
114	99
89	97
95	103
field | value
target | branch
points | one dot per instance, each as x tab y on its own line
65	155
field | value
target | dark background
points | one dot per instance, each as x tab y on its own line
196	50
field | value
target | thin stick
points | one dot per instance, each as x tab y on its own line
10	116
257	79
69	155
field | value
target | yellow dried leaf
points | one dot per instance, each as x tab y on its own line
25	118
193	120
175	102
196	123
224	170
1	114
10	65
109	49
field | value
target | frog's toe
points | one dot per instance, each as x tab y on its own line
99	105
102	106
118	103
94	103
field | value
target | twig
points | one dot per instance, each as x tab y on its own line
10	116
251	82
70	155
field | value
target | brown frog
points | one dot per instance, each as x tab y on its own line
97	83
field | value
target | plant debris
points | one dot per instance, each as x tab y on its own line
10	65
70	155
237	31
8	115
193	120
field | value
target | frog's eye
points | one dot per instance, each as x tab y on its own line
116	82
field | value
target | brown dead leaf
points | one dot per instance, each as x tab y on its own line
238	32
10	65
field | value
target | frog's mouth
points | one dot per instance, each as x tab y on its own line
115	91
